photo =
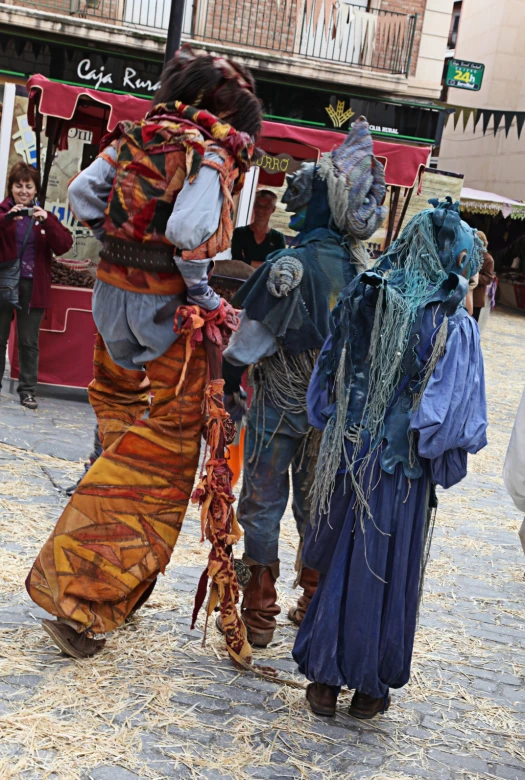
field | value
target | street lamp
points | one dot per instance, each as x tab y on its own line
174	29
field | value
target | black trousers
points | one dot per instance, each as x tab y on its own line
27	328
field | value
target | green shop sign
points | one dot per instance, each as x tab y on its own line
465	75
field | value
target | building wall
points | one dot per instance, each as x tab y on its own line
430	41
267	50
492	32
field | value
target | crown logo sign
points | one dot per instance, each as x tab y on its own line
339	116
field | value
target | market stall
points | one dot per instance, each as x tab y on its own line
501	219
55	109
67	334
503	222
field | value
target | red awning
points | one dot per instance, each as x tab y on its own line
88	109
100	112
402	163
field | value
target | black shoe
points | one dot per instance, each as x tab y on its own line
29	401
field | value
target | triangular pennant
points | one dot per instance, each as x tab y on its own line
334	7
318	4
449	113
308	12
457	115
487	115
477	118
520	121
327	14
509	119
498	116
467	113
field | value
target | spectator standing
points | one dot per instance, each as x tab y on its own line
29	236
254	242
486	275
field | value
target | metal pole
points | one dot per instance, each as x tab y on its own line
174	29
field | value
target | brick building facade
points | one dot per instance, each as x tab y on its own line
306	54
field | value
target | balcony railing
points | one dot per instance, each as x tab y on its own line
341	32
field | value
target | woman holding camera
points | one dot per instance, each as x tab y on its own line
29	236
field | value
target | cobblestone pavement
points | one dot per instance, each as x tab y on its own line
156	704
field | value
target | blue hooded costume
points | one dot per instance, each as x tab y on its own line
284	323
399	393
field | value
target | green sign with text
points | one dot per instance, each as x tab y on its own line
465	75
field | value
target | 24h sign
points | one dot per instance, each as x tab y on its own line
465	75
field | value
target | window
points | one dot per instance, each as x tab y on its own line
456	16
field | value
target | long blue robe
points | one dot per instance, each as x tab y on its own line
359	628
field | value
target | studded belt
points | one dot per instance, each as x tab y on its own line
143	256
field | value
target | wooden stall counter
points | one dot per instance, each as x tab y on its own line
67	340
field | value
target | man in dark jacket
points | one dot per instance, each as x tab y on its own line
254	242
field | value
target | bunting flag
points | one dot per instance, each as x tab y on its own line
313	10
484	115
520	119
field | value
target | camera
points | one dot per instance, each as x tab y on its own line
25	212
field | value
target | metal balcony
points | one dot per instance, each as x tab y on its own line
345	33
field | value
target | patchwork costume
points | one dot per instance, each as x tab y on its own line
160	197
399	393
286	306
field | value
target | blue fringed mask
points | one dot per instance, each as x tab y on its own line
459	248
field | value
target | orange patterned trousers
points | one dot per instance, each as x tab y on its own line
120	527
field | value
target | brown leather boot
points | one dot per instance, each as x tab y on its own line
308	582
70	641
366	707
322	699
259	605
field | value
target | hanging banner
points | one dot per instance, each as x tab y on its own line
485	115
434	184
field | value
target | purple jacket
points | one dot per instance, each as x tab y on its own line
51	237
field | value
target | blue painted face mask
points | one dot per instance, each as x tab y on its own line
459	247
298	194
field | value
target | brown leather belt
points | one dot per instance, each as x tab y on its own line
144	256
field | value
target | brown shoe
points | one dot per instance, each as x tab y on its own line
365	707
322	699
308	582
70	641
259	605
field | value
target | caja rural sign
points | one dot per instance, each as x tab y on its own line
465	75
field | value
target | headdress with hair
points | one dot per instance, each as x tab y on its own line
356	183
229	69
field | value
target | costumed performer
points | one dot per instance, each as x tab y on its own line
514	468
286	306
160	197
399	391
